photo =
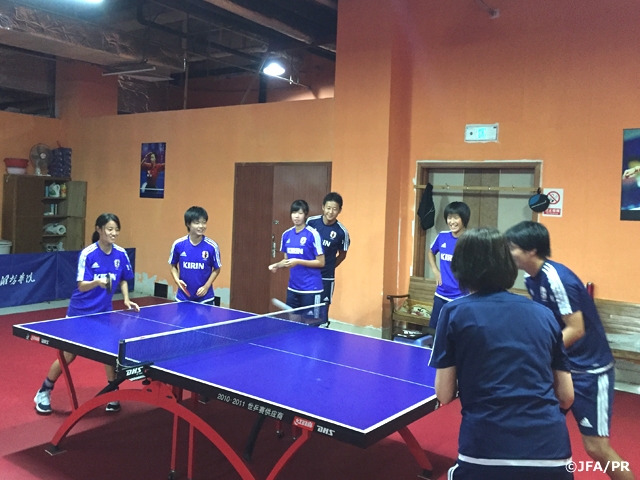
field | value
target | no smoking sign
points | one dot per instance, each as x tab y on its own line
556	197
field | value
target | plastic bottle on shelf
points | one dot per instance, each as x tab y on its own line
63	190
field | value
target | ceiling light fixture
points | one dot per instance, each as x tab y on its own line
273	69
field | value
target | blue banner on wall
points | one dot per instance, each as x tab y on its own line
27	278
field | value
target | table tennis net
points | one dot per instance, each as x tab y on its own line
151	349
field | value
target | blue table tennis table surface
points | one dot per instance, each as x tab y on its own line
359	388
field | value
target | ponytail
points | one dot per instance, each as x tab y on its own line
95	237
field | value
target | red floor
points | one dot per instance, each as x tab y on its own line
136	443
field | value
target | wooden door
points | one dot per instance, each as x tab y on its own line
251	242
309	182
262	199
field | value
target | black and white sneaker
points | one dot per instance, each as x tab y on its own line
43	402
113	407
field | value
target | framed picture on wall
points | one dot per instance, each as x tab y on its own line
152	173
630	191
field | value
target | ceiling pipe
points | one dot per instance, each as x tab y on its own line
277	40
271	23
148	23
332	4
260	19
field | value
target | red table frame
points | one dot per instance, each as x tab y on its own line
160	395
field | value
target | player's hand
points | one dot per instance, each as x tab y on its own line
274	266
103	282
631	172
201	291
438	276
183	287
290	262
131	305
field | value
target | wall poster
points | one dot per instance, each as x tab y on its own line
630	191
152	174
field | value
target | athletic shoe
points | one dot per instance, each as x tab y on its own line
113	407
43	402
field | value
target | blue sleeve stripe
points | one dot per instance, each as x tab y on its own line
434	241
557	287
82	261
347	240
216	250
282	240
173	247
127	257
317	241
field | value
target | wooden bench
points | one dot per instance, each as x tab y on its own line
621	322
421	291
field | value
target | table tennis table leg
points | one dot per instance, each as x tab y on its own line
253	436
279	429
417	452
67	377
159	395
177	392
194	407
295	446
174	447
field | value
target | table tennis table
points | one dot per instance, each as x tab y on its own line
349	387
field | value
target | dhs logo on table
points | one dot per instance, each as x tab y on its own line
37	338
325	430
304	423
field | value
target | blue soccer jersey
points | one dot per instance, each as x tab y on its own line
195	263
305	245
559	289
445	244
334	238
505	348
94	264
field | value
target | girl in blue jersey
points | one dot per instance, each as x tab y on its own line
195	260
592	367
101	260
303	254
505	356
457	215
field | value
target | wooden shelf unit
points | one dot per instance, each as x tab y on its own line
23	212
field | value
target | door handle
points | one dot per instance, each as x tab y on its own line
273	246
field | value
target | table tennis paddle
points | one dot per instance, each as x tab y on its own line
184	289
109	284
280	305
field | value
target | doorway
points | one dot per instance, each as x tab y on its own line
261	213
497	193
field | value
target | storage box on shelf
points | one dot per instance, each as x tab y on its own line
30	204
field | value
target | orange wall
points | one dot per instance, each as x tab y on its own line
202	149
18	133
361	156
562	82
